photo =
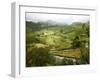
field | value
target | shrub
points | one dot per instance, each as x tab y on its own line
40	57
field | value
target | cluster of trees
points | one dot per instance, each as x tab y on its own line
83	44
39	57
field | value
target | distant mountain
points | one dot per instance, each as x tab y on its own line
36	26
33	26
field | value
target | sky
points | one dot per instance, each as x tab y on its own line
61	19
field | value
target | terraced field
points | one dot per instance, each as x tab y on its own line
57	44
71	53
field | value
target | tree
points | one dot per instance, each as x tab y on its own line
84	56
76	42
40	57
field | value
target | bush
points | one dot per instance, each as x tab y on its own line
67	62
40	57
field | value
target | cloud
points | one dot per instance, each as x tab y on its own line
64	19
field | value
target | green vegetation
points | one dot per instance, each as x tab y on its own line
70	43
39	57
75	53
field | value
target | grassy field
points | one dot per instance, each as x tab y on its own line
72	53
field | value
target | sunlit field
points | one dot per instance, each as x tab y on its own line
57	40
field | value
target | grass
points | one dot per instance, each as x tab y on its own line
69	53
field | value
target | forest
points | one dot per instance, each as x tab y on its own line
49	44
